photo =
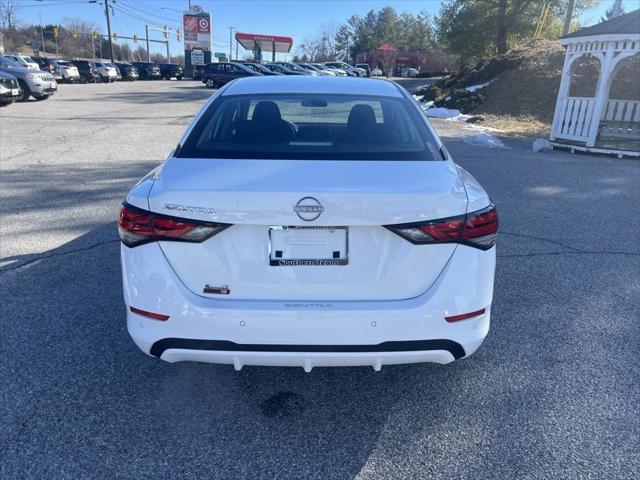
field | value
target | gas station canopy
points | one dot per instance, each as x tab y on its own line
268	43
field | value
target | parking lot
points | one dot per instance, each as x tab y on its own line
554	392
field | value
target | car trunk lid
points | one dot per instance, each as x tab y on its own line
260	197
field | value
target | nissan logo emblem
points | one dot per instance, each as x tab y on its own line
308	209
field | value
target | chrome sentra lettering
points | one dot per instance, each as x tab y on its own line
191	209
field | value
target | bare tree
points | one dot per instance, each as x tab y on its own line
7	14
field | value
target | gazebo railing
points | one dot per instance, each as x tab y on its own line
622	111
573	118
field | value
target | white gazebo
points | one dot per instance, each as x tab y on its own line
586	117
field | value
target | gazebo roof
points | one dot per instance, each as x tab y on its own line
629	23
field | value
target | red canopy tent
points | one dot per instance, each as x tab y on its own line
257	43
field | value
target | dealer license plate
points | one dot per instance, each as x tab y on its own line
298	246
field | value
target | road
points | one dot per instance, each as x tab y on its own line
554	392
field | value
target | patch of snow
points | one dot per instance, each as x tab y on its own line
541	145
448	98
452	114
480	86
484	140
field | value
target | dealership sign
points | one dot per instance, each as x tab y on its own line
197	57
197	29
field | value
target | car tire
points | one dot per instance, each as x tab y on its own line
179	77
26	91
39	98
210	83
105	79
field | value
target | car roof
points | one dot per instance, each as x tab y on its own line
313	84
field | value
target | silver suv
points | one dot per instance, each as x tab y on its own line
33	83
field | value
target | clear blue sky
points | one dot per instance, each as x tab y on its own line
295	18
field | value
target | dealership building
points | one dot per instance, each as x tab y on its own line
429	61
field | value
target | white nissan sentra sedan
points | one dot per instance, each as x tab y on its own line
308	221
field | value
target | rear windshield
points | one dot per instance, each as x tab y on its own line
311	126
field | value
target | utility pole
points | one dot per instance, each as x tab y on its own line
230	43
168	53
146	28
106	12
44	49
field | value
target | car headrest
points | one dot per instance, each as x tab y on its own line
266	111
361	117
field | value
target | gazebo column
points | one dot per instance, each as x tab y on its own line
602	93
563	91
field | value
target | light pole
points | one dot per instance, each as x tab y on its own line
44	49
146	28
230	43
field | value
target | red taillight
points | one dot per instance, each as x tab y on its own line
477	229
464	316
481	228
137	226
144	313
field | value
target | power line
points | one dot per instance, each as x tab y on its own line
149	21
146	12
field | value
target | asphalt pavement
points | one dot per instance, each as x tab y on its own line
554	392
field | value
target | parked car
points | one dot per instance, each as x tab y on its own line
24	61
236	252
49	65
171	70
198	71
218	74
295	68
258	67
118	72
376	72
275	67
336	71
316	71
350	71
127	71
408	72
365	67
107	74
87	71
9	89
148	70
33	83
70	73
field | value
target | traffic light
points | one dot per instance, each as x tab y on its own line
56	31
178	35
165	32
74	32
115	36
135	38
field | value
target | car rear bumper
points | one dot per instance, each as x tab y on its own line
306	360
308	334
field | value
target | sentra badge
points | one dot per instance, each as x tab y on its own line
189	209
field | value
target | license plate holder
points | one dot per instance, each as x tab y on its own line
302	246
